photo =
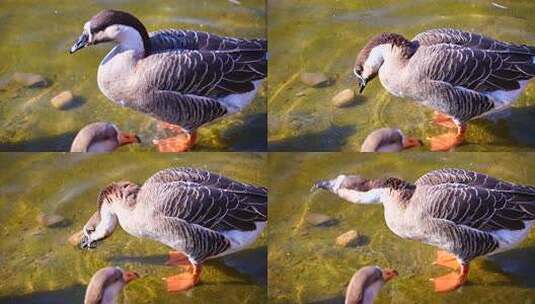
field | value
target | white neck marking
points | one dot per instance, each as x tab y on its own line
129	38
374	196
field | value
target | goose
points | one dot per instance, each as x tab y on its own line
106	285
461	75
366	283
182	78
388	140
464	213
201	215
101	137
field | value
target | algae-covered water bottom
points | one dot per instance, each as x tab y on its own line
305	265
40	266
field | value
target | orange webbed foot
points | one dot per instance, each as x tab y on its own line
180	143
443	120
451	281
177	258
184	281
446	259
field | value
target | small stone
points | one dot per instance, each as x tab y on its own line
301	94
50	220
30	80
344	98
316	80
76	238
317	219
63	100
348	239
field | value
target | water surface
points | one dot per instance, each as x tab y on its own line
325	36
36	38
305	265
40	266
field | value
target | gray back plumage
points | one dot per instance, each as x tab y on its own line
197	206
463	208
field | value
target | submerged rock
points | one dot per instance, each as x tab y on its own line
76	238
318	219
30	80
350	238
344	98
51	220
315	80
63	100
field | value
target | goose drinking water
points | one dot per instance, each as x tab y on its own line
464	213
201	215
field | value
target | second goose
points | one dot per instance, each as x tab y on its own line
183	78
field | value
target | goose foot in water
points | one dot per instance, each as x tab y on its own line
443	120
448	141
452	280
177	258
446	259
184	281
180	143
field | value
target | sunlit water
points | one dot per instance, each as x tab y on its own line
40	266
305	265
36	36
325	36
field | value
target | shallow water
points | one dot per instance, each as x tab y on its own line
325	36
36	37
39	266
305	265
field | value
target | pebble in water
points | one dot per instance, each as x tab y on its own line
30	80
316	80
344	98
63	100
50	220
350	238
318	219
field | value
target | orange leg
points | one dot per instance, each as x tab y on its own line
184	281
181	143
452	280
444	120
446	259
177	258
448	141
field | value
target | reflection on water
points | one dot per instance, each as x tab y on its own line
305	265
39	266
325	36
36	37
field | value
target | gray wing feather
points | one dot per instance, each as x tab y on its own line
461	103
470	40
208	200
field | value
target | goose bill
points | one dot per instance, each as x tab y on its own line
82	42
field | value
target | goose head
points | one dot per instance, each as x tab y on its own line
116	201
353	188
114	26
388	140
371	57
106	285
101	137
366	283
